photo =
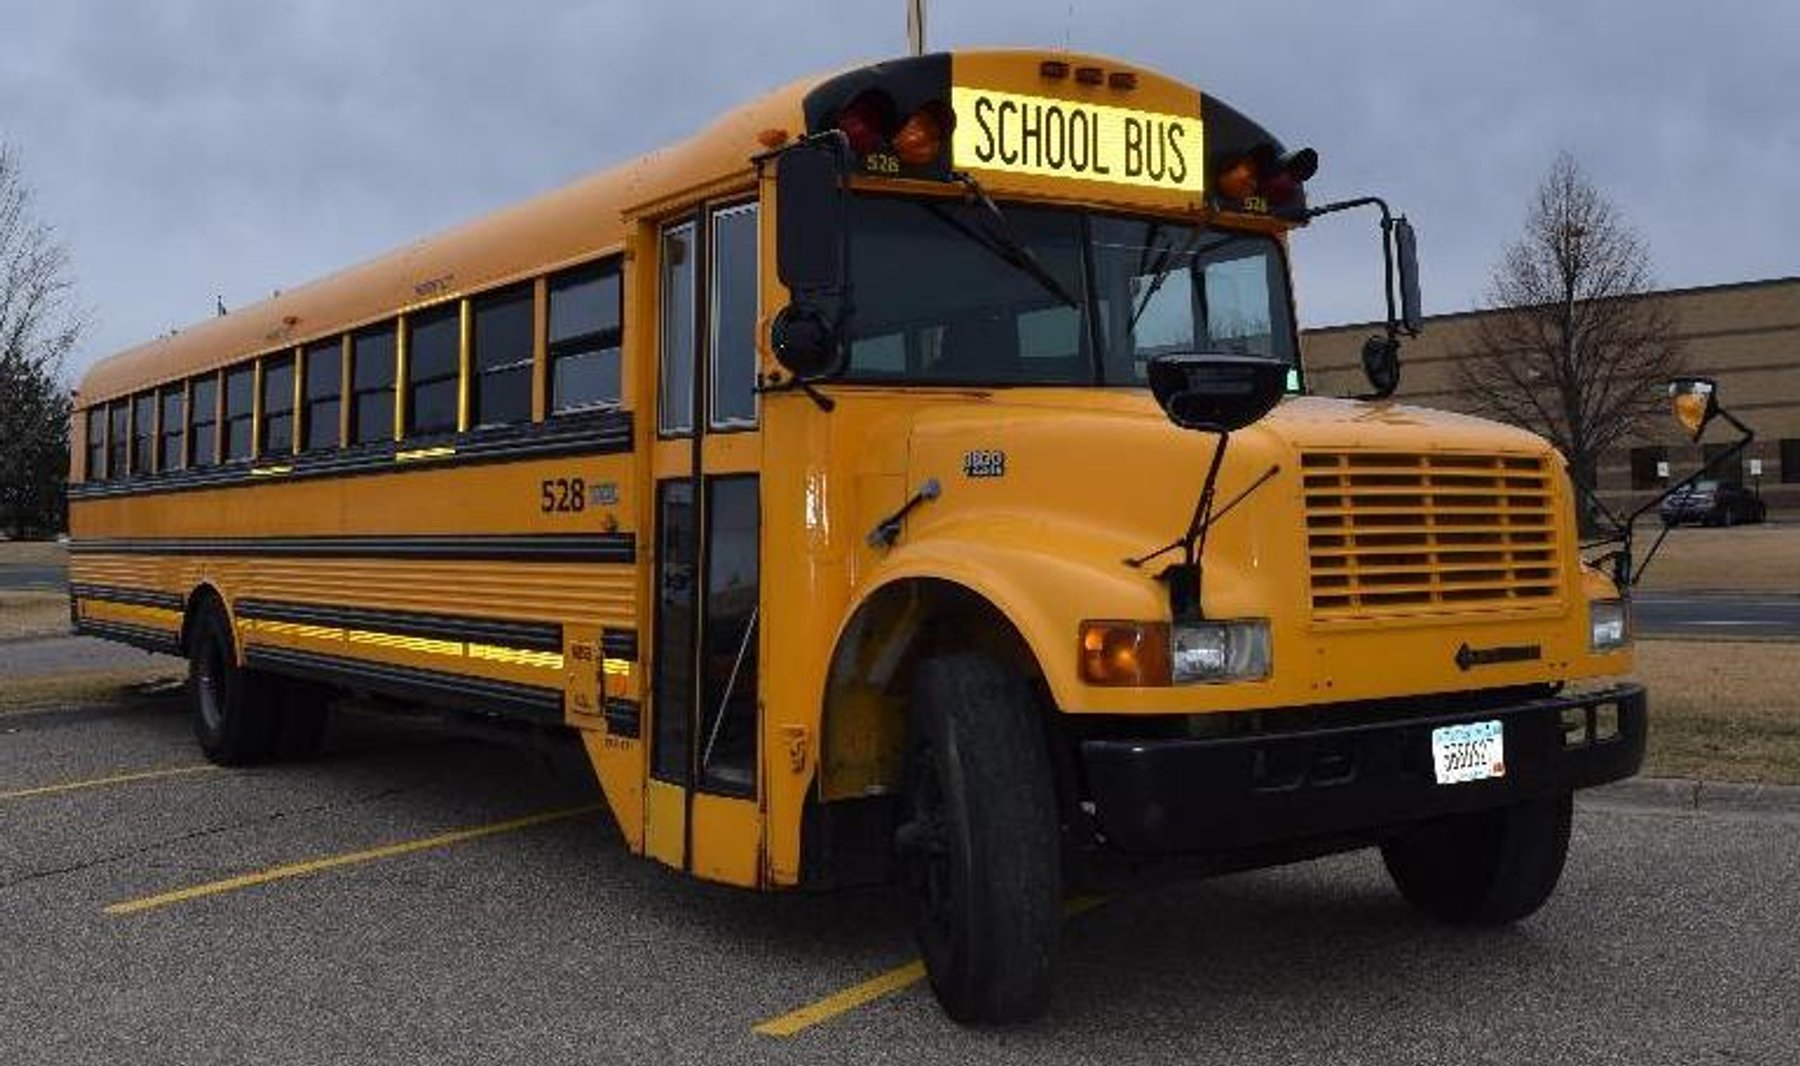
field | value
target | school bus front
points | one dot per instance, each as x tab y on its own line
1056	613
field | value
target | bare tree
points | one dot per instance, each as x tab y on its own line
1578	344
39	325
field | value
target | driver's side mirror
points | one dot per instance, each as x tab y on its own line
811	257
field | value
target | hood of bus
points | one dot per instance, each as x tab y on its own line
1353	527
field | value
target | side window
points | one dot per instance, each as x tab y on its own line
321	401
277	406
728	664
118	440
239	410
500	393
584	337
675	397
433	370
173	429
372	377
143	433
731	318
206	420
96	444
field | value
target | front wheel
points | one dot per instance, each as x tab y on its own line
979	844
1486	868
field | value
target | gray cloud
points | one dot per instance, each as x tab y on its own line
187	148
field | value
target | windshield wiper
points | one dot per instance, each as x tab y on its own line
1165	265
1000	239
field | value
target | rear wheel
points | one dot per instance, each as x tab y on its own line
1485	868
234	713
979	846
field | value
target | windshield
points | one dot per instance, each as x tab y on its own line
939	298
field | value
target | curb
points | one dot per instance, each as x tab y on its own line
1684	794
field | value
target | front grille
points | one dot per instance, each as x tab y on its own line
1408	534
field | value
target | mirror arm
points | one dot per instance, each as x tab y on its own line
775	383
1625	575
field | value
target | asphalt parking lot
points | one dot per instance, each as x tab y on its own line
365	926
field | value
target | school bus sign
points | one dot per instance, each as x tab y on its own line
1051	137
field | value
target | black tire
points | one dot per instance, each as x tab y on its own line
979	843
234	712
305	723
1486	868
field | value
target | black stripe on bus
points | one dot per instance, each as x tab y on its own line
533	636
435	687
601	433
168	601
543	548
619	644
158	640
623	717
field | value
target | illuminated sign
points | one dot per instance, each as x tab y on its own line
1056	138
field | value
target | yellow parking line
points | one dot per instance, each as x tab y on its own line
328	862
116	779
882	984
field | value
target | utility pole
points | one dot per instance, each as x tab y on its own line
915	26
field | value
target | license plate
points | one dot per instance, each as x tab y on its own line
1472	752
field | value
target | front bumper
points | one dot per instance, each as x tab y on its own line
1198	795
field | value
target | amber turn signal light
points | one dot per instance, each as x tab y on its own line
1115	653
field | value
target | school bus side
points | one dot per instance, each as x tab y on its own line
429	476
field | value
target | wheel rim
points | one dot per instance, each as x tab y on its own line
923	843
206	688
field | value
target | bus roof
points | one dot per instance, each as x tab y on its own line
577	222
570	224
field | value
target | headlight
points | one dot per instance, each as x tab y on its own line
1219	651
1608	625
1151	654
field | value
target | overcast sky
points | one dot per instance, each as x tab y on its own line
184	148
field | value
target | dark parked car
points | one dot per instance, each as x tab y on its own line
1713	503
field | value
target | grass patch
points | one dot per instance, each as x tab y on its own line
1761	558
33	613
1722	711
32	553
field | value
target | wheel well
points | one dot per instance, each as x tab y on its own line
863	726
203	597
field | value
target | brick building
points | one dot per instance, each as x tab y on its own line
1746	335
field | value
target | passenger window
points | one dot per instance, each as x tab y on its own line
239	410
372	378
501	389
675	403
143	433
206	420
118	440
324	389
433	369
731	321
173	429
96	444
584	338
277	406
880	356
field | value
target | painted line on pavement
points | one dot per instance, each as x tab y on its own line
882	984
101	782
332	862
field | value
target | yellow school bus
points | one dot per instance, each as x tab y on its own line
911	476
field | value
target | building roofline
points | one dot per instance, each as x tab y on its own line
1379	323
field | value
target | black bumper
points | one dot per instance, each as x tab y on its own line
1197	795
